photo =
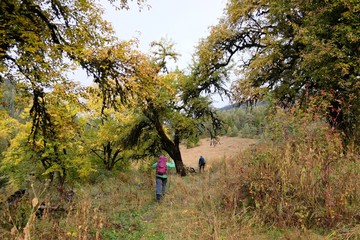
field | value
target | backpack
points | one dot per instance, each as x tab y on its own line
202	160
161	166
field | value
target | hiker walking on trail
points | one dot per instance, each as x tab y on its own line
202	163
161	178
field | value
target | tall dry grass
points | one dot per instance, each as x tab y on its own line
300	176
103	210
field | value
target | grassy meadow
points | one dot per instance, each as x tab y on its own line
225	202
296	182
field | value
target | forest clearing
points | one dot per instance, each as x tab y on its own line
228	147
215	204
89	118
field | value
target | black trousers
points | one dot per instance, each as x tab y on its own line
201	166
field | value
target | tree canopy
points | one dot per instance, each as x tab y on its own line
41	41
144	107
299	51
171	103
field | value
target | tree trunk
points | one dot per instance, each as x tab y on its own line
171	147
174	152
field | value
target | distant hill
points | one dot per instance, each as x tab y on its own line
241	105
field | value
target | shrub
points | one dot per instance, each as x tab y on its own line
248	131
232	131
300	175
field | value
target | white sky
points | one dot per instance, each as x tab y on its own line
184	22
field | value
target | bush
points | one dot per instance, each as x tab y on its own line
192	141
248	131
232	131
300	175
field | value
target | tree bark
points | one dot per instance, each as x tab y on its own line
174	152
171	147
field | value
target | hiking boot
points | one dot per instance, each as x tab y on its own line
158	197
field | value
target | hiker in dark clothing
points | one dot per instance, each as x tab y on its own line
161	178
202	163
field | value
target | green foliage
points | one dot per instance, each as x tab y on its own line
248	131
192	141
38	40
115	137
8	129
247	122
40	44
54	151
132	226
232	131
295	50
18	161
3	181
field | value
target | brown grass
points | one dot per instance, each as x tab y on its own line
211	205
228	148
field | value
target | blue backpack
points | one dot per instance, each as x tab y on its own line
202	160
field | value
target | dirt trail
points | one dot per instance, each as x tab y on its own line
229	146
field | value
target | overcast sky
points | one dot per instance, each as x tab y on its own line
182	21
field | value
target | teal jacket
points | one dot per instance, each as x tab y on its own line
169	165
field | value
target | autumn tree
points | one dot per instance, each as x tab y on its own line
112	134
55	150
41	41
173	102
298	51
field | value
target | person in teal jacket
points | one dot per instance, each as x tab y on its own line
161	179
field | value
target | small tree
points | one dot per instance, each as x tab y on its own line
52	148
113	136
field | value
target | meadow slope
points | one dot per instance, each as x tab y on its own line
228	147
